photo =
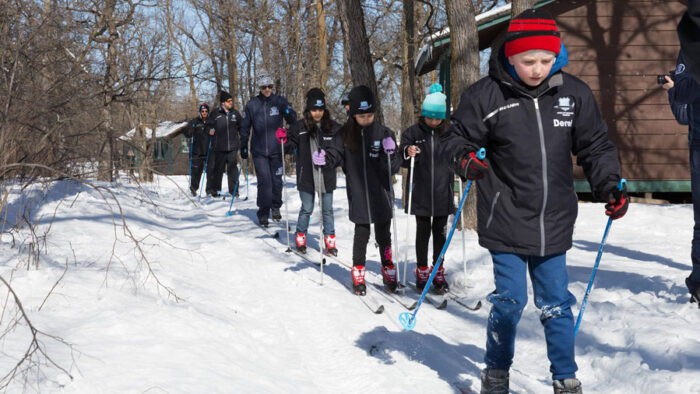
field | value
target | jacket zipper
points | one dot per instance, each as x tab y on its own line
267	150
493	206
364	169
228	133
432	172
545	186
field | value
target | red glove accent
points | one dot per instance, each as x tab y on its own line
618	202
472	168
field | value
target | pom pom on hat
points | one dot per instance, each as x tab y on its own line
435	103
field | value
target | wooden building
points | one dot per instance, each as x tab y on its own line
171	152
618	47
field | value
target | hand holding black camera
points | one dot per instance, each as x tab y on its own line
661	79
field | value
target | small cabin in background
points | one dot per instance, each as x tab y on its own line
171	150
618	48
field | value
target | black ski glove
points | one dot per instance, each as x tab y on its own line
617	200
468	166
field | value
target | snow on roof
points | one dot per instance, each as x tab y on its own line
164	129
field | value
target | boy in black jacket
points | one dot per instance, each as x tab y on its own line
200	146
531	117
225	122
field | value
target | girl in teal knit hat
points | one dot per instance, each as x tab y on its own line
433	177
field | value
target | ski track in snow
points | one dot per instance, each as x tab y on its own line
253	318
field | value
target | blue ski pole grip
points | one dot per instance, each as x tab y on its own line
481	154
622	184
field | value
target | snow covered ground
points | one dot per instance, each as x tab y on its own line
220	308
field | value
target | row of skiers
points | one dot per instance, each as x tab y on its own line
530	116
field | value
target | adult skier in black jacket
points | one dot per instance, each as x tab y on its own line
361	148
200	146
530	116
266	113
225	121
432	197
307	136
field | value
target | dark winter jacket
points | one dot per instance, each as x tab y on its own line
201	136
226	129
433	178
526	202
265	115
684	98
299	139
369	187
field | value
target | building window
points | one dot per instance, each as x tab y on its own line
184	144
162	150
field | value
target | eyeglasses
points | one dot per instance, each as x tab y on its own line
267	87
229	100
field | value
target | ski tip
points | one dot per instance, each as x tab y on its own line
379	310
413	306
442	305
277	235
478	305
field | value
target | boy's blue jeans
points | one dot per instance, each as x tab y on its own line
307	207
550	286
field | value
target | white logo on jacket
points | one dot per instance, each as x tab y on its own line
274	111
563	123
565	106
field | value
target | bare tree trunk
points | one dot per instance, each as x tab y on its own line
361	64
464	68
322	43
231	47
518	6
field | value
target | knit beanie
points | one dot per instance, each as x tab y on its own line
435	103
203	106
223	96
361	100
315	99
265	79
532	29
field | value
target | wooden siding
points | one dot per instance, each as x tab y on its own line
618	47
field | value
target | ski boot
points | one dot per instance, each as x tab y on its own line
331	250
440	285
358	279
694	290
193	191
494	381
422	275
567	386
389	277
300	238
263	221
276	215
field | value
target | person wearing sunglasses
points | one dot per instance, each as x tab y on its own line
265	113
199	145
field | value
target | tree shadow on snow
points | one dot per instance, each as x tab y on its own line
447	360
629	253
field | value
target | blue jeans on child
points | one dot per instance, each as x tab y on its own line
550	286
307	207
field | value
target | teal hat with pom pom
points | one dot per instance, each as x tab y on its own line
435	103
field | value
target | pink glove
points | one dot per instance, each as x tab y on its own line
319	157
389	145
281	135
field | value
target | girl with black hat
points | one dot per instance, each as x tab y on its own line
364	148
307	136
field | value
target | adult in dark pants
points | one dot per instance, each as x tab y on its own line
361	148
200	146
265	113
225	123
432	198
684	97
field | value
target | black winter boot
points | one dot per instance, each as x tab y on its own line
567	386
494	381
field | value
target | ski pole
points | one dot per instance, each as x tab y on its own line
246	179
204	175
286	202
408	218
189	177
620	186
319	190
408	320
464	242
395	245
233	197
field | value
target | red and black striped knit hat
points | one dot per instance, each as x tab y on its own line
532	29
